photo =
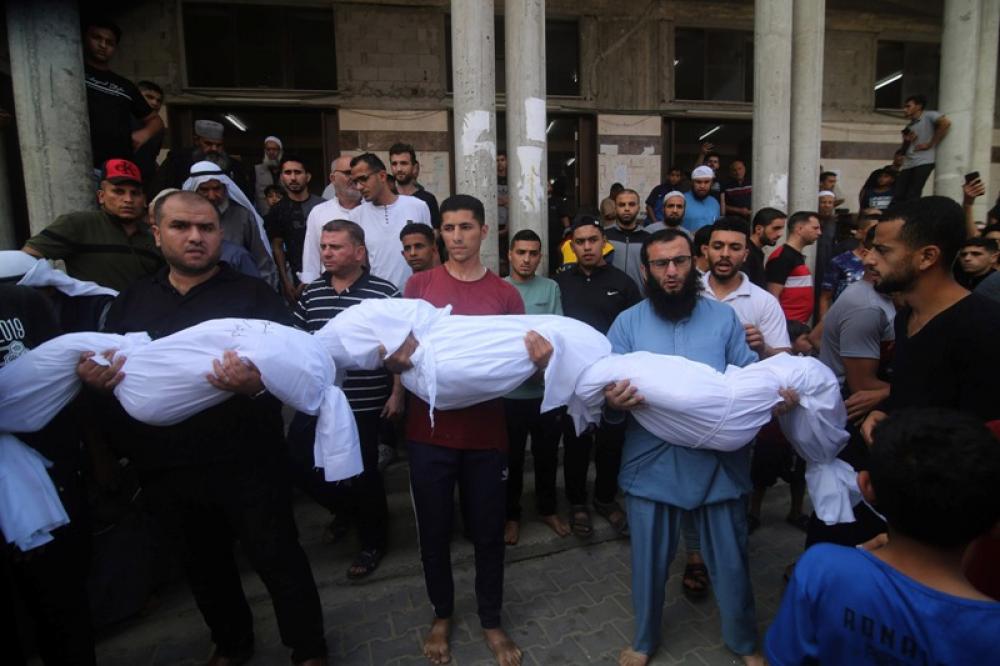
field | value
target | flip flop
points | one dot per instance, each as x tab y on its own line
367	561
579	521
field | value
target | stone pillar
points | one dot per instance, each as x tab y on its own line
982	123
527	169
473	62
959	74
808	23
771	112
50	103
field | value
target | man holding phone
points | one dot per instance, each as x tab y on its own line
921	135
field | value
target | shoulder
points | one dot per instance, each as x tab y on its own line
381	286
418	282
824	563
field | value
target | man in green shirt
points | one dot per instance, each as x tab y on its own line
522	406
112	246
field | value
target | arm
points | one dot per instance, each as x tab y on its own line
27	249
287	288
825	301
775	289
867	390
970	191
722	204
941	126
312	267
393	407
151	126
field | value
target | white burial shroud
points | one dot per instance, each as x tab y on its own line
30	508
462	360
165	380
691	404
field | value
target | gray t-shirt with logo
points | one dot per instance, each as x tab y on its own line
856	326
923	127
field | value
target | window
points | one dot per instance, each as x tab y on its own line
562	56
713	65
257	46
903	69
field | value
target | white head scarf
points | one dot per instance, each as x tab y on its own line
202	172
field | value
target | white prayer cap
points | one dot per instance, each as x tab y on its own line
674	193
702	172
275	140
14	264
209	129
827	193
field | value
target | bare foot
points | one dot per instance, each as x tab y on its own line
511	532
558	525
504	649
436	644
630	657
753	660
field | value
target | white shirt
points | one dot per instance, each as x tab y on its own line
756	307
312	262
382	225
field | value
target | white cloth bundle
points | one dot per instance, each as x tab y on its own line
43	275
30	508
463	360
690	404
165	380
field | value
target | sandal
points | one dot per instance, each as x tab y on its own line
579	521
367	561
695	582
614	514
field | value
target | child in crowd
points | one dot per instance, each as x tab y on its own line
933	474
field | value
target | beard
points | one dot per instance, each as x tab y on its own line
674	307
271	164
900	281
219	159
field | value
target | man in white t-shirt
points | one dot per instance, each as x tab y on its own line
382	216
344	198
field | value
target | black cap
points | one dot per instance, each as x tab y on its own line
581	221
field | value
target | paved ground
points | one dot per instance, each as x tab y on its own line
566	602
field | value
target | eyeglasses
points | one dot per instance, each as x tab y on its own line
361	179
679	261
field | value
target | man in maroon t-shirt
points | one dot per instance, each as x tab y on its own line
464	446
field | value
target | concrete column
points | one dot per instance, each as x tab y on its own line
527	168
772	70
808	23
473	62
50	103
982	123
957	94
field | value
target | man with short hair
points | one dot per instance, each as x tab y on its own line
736	193
343	198
672	213
112	246
371	394
383	215
788	277
113	102
660	479
828	183
626	235
945	353
766	228
711	159
286	224
219	475
267	172
922	134
467	447
405	168
657	196
882	191
593	292
209	145
419	248
976	262
239	220
147	154
700	208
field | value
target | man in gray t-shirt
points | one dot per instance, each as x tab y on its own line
855	329
922	134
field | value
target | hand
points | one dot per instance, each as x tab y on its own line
706	147
875	542
291	293
539	349
862	402
755	339
868	427
922	146
973	189
791	401
101	377
399	361
622	396
393	407
235	375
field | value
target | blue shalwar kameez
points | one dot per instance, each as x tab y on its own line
660	480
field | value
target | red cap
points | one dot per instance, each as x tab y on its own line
121	171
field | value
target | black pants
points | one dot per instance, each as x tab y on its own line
910	182
52	583
360	500
606	442
524	418
480	475
203	509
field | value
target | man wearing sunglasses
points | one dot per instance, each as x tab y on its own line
662	480
341	198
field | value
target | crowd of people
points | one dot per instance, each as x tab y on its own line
901	307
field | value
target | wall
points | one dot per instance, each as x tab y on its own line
629	151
